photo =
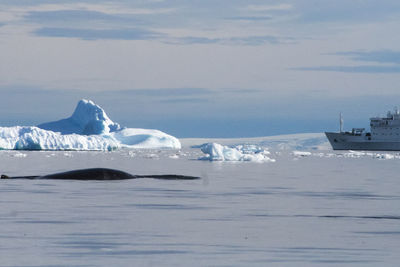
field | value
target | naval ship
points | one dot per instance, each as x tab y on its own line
384	135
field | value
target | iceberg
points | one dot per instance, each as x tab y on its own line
217	152
89	128
88	119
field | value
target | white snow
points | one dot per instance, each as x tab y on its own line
217	152
89	128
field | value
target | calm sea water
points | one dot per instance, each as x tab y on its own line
298	211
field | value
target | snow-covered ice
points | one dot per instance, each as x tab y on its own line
89	128
217	152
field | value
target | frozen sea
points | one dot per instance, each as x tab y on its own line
309	208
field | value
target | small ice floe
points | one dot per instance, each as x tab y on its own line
297	153
174	156
384	156
19	155
217	152
359	154
355	154
151	156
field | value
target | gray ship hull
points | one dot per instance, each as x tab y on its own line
345	141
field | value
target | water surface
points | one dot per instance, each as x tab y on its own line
307	211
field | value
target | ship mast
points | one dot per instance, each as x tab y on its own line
340	122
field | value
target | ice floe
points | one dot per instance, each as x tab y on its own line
217	152
301	153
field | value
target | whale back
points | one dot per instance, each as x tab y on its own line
100	174
90	174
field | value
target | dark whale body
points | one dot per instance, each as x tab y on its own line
101	174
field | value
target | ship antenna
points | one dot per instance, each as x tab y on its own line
341	122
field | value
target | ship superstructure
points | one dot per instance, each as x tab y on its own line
384	135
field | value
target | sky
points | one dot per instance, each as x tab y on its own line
202	68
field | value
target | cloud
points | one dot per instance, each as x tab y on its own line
193	40
165	92
251	18
106	8
344	11
143	34
389	57
67	23
64	16
95	34
354	69
243	40
381	56
169	92
255	40
185	100
263	8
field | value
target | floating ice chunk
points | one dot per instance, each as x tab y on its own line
384	156
301	153
354	154
19	155
132	154
217	152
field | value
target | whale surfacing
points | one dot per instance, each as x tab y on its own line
101	174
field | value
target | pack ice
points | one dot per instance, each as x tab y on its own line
89	128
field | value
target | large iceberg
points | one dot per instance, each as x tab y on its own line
89	128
